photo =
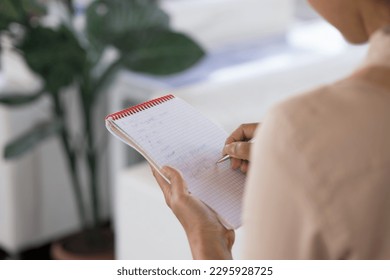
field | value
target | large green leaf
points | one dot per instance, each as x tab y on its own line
112	20
158	52
56	55
30	139
17	99
33	8
9	12
19	11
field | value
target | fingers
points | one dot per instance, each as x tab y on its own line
237	145
235	163
164	185
244	132
178	184
244	166
175	188
238	150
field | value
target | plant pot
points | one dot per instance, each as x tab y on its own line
97	244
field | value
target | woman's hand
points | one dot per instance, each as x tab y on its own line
208	238
237	145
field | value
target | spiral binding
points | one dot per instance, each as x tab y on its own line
140	107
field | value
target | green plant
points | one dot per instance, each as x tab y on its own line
138	30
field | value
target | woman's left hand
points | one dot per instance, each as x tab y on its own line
208	238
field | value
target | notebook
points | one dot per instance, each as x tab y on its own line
169	131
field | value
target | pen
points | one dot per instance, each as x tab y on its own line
226	157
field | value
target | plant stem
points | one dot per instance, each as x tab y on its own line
93	167
72	162
91	153
88	96
105	78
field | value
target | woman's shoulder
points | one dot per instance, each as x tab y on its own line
302	109
331	105
322	123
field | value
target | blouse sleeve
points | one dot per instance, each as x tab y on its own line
280	216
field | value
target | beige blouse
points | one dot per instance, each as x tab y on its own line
319	182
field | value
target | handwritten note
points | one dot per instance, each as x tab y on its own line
176	134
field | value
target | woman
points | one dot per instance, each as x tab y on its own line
318	186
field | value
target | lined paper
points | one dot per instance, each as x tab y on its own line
174	133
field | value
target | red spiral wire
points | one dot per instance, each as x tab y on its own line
140	107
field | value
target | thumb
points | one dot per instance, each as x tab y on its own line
174	176
239	150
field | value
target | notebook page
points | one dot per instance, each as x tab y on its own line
176	134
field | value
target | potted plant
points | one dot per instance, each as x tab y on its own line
139	33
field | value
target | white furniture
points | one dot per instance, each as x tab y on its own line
217	23
36	199
230	95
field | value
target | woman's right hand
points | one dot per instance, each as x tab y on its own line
237	145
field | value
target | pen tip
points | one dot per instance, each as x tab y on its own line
223	159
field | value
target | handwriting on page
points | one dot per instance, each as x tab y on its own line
175	134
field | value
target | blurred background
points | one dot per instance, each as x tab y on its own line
70	190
